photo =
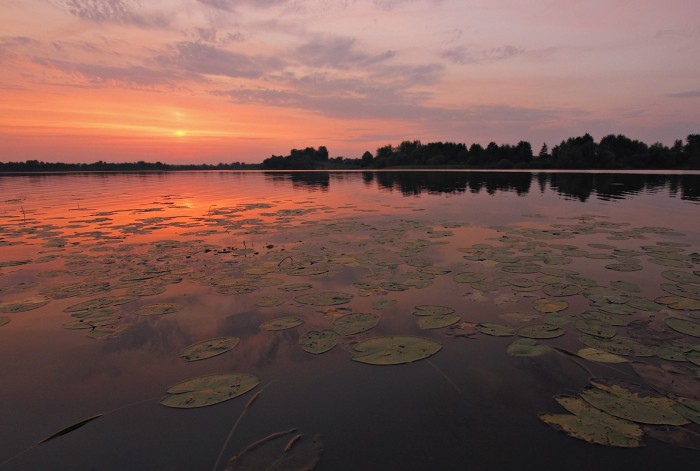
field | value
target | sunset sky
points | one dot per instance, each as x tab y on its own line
208	81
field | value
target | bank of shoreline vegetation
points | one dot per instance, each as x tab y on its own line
613	152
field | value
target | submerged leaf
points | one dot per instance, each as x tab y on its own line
395	350
207	390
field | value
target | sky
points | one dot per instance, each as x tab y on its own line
209	81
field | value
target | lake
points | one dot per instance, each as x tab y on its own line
406	320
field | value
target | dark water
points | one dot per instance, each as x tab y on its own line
188	236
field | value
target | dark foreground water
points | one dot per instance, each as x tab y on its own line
106	278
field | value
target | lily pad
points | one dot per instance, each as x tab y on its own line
595	327
561	289
438	321
496	330
549	305
593	425
209	348
100	303
319	341
282	323
683	326
210	389
26	304
269	301
541	331
295	287
158	309
469	277
527	348
395	350
686	290
688	408
679	303
600	356
432	310
631	402
354	323
624	266
326	298
384	304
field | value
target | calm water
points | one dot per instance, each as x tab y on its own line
391	240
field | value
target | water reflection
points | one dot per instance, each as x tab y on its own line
578	186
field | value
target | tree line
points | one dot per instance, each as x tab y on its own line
613	152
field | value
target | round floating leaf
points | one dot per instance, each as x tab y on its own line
394	286
395	350
683	326
618	345
269	301
210	389
685	290
438	321
209	348
601	356
631	402
679	276
319	341
679	303
432	310
549	305
295	287
327	298
625	286
592	425
354	323
496	330
527	348
595	327
624	267
468	277
688	408
158	309
100	303
604	317
541	331
560	289
281	323
27	304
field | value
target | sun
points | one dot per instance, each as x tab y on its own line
180	133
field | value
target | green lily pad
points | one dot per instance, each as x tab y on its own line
624	267
432	310
354	323
209	348
688	408
541	331
295	287
26	304
438	321
384	304
394	286
686	290
593	425
319	341
625	286
158	309
496	330
600	356
469	277
604	317
683	326
679	303
561	289
679	276
269	301
549	305
619	345
395	350
281	323
326	298
210	389
595	327
527	348
631	402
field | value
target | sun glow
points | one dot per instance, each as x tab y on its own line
180	133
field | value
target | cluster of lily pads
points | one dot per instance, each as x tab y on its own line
654	336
